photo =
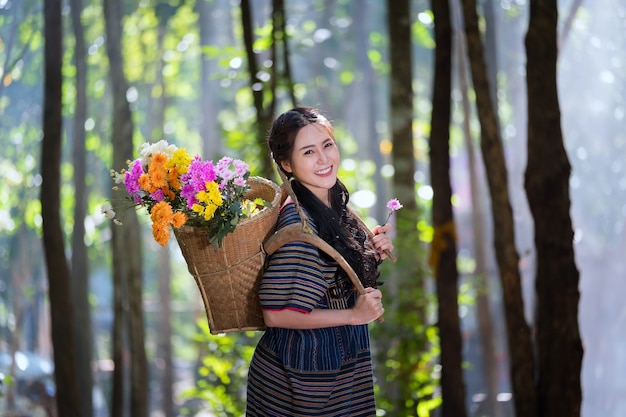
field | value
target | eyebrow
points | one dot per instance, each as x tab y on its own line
312	146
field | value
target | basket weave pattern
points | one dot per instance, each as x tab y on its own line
228	278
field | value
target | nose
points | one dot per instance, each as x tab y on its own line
322	157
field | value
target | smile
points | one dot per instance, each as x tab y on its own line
324	171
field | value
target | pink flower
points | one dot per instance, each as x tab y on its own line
240	167
392	205
240	182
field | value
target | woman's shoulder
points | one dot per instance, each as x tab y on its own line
289	214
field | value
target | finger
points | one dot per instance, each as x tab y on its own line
377	294
380	230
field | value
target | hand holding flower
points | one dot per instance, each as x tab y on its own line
382	242
379	237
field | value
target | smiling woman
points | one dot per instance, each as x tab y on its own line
314	358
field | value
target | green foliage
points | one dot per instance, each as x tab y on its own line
5	381
422	30
167	43
222	375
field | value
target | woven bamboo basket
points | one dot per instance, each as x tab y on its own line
228	278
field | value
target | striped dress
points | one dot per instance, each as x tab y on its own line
319	372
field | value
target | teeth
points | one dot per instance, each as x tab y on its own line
325	171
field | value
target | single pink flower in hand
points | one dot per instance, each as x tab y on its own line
392	205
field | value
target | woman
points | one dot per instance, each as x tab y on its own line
314	358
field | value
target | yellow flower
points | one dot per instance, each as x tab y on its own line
209	211
180	161
214	196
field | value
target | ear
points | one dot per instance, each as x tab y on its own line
286	165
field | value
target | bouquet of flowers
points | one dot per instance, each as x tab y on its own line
178	190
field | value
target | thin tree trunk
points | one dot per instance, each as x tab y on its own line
559	346
483	309
264	113
518	331
80	270
280	33
20	269
444	251
491	50
127	271
164	314
211	144
165	333
67	392
402	298
569	21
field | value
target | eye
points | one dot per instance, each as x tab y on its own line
308	152
329	144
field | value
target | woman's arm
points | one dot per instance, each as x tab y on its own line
368	307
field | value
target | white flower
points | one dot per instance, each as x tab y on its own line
118	177
148	150
108	211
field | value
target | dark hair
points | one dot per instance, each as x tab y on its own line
335	224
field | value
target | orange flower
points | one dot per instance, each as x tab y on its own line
179	219
157	171
174	179
162	217
146	184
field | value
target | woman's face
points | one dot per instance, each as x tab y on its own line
314	160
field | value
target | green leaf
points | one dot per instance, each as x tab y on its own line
235	207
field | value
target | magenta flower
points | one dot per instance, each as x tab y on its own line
131	178
158	195
200	173
392	205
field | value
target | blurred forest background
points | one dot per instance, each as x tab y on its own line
185	72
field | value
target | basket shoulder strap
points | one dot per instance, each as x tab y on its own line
294	233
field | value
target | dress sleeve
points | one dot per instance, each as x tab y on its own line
294	277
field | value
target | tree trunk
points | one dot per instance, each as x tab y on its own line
67	392
279	33
401	296
481	274
209	87
80	269
127	271
518	331
264	113
559	346
20	269
443	250
491	51
164	337
164	312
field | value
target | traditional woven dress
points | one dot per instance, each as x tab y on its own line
319	372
